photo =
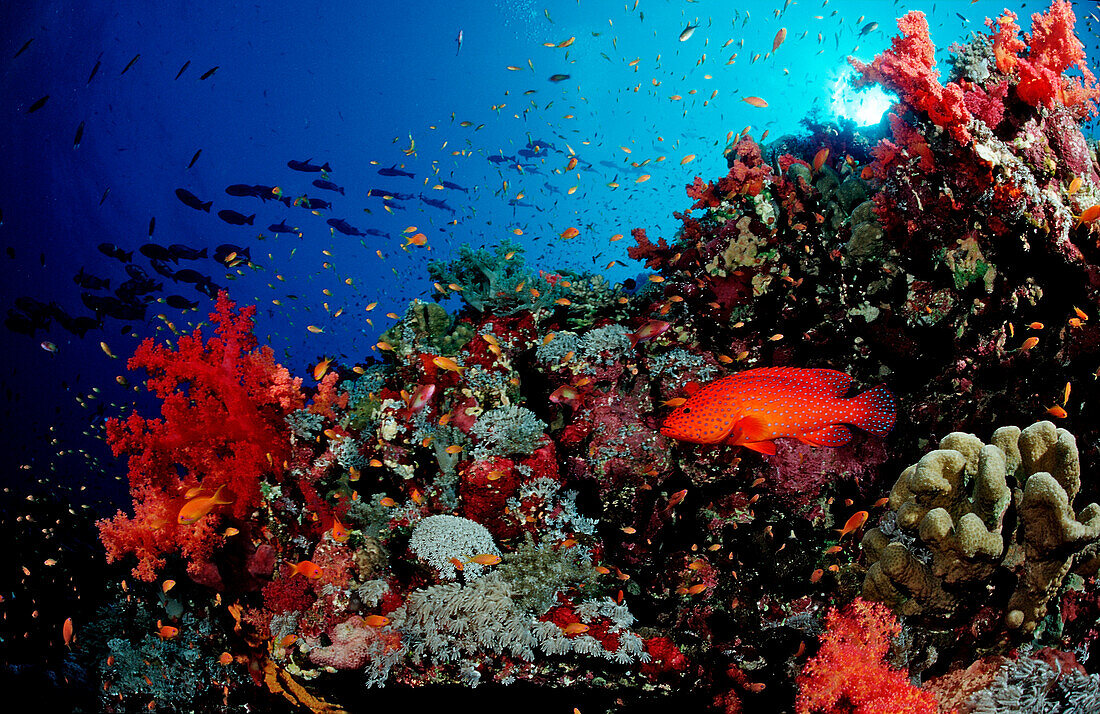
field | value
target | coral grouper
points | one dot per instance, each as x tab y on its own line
754	407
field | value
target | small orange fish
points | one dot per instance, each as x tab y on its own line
1074	186
687	159
1080	313
1036	325
196	508
832	549
629	530
575	628
1057	412
167	585
854	523
755	102
225	659
867	173
484	559
819	159
448	364
306	568
571	164
754	407
1088	215
570	232
1028	344
340	532
421	397
320	368
376	620
565	394
677	498
459	565
67	632
387	502
674	402
779	37
288	640
167	632
816	575
651	330
696	589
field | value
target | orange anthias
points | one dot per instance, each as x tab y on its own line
757	406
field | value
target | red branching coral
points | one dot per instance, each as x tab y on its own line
664	656
848	673
909	69
222	426
1054	48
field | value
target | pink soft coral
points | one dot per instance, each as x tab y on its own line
909	69
848	673
222	426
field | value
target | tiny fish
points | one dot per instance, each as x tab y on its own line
755	102
130	64
194	158
687	32
854	523
23	48
93	72
183	69
38	104
79	135
210	72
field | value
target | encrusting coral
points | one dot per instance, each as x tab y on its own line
959	504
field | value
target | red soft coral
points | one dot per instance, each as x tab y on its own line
222	426
909	69
848	673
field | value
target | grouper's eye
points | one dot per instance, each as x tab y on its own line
687	410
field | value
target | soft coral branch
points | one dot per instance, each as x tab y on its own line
222	425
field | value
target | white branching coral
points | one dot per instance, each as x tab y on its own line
437	539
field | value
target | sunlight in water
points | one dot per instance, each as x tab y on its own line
863	106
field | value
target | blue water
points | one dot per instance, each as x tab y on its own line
355	84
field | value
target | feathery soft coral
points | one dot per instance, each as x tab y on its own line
848	673
909	69
222	425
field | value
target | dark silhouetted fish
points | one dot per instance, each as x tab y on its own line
559	77
94	70
190	199
194	158
79	326
183	252
376	232
237	219
23	48
436	203
132	288
137	272
38	104
308	167
130	64
183	69
314	204
91	282
497	159
113	251
328	186
180	302
282	228
152	225
79	135
208	288
243	190
190	276
223	251
264	192
394	171
454	186
154	251
383	193
528	153
344	227
539	145
104	196
210	72
22	324
163	268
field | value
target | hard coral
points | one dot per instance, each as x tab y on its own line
957	500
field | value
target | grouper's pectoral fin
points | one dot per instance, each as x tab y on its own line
752	432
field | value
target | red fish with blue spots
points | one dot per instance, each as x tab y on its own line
757	406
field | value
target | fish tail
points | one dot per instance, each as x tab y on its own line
206	206
202	253
874	411
250	219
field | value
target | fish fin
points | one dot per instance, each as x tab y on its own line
750	428
763	447
832	435
829	381
874	411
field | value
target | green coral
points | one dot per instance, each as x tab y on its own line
537	573
427	326
493	282
507	430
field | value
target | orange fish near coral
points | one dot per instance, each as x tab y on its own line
307	568
757	406
196	508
